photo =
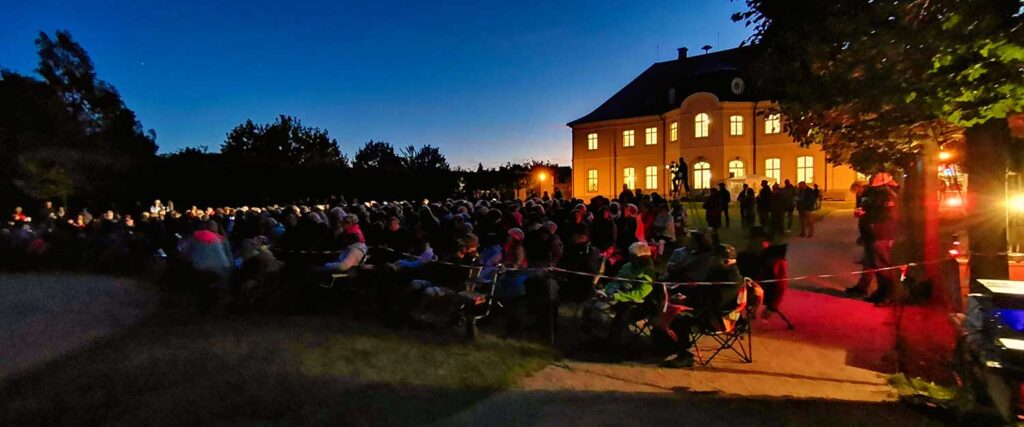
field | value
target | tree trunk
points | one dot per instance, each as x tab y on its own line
987	146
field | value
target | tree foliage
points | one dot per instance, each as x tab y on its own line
870	80
377	155
69	132
426	157
286	140
66	67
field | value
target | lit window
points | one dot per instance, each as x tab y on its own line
736	169
591	141
735	125
773	124
700	125
651	136
673	131
652	177
702	175
805	169
627	138
629	177
592	181
773	169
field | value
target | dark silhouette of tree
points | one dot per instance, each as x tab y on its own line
377	155
861	76
285	141
426	157
97	105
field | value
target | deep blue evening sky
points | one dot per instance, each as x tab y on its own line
485	81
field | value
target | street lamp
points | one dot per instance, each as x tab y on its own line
542	176
945	155
1015	203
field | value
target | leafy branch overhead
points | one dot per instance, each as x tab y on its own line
870	80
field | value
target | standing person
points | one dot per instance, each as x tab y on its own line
789	199
778	212
724	198
746	200
807	202
878	209
764	205
713	210
626	196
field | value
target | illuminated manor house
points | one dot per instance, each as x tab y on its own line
704	109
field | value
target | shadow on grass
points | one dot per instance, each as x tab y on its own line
682	407
176	369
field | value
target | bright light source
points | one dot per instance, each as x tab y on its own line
945	155
542	177
1015	203
954	202
954	252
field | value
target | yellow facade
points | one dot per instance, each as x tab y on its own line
755	148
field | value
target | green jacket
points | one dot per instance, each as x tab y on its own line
628	291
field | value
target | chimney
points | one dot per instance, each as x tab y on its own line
682	52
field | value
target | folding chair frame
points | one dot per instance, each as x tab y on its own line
733	339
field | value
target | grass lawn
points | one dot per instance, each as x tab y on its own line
178	369
737	236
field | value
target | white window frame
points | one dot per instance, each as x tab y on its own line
592	180
701	125
628	138
629	178
773	168
651	177
592	141
673	131
805	169
651	136
737	169
773	124
736	125
702	175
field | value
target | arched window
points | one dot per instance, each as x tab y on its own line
736	169
701	175
700	125
805	169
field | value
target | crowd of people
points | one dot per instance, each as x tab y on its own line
419	254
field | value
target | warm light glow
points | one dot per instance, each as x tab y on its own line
954	252
1015	203
954	202
945	155
542	177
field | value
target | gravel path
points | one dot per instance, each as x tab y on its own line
829	370
43	316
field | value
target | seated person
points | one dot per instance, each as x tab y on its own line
351	256
761	261
704	306
633	283
690	263
446	278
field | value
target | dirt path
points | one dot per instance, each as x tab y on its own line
44	316
830	370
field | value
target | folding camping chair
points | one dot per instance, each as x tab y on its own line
733	329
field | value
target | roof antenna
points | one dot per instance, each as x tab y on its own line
706	48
